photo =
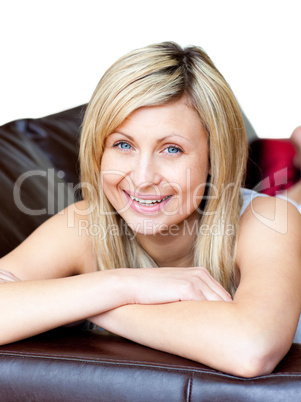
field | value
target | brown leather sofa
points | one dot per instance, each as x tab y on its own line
76	364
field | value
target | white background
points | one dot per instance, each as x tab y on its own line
53	52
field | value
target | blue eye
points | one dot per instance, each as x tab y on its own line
122	145
173	150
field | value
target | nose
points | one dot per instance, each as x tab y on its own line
145	172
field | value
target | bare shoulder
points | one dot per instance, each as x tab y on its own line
269	263
60	247
269	225
269	254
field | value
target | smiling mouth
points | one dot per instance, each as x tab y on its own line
148	202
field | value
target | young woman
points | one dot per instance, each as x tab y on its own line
204	271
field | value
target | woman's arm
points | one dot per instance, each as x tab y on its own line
41	286
31	307
34	306
51	280
249	336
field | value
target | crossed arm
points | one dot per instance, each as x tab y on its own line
246	337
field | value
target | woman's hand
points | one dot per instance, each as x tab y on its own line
165	285
6	276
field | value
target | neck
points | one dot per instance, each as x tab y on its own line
172	249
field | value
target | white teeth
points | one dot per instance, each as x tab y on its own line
148	202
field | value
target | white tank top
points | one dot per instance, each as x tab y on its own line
248	197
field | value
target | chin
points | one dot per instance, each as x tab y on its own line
150	227
146	227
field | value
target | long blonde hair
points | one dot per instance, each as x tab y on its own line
156	75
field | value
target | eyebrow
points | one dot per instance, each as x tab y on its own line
159	140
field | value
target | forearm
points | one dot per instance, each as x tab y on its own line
46	304
31	307
213	333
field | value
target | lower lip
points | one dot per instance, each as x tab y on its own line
136	206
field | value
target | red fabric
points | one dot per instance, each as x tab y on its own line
270	167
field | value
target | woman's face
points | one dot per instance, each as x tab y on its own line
155	165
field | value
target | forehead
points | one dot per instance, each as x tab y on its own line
173	118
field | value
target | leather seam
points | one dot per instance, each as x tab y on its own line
107	360
190	387
158	368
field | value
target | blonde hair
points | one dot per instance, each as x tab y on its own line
156	75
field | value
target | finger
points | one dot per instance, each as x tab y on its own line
216	286
210	295
6	276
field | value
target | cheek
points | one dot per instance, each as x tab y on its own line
111	180
110	176
107	161
111	189
189	185
111	170
192	179
196	185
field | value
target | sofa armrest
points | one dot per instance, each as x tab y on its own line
70	364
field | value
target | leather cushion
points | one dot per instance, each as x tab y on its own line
77	365
42	156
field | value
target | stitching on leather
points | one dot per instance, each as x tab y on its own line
172	369
190	387
99	362
30	355
108	360
96	362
